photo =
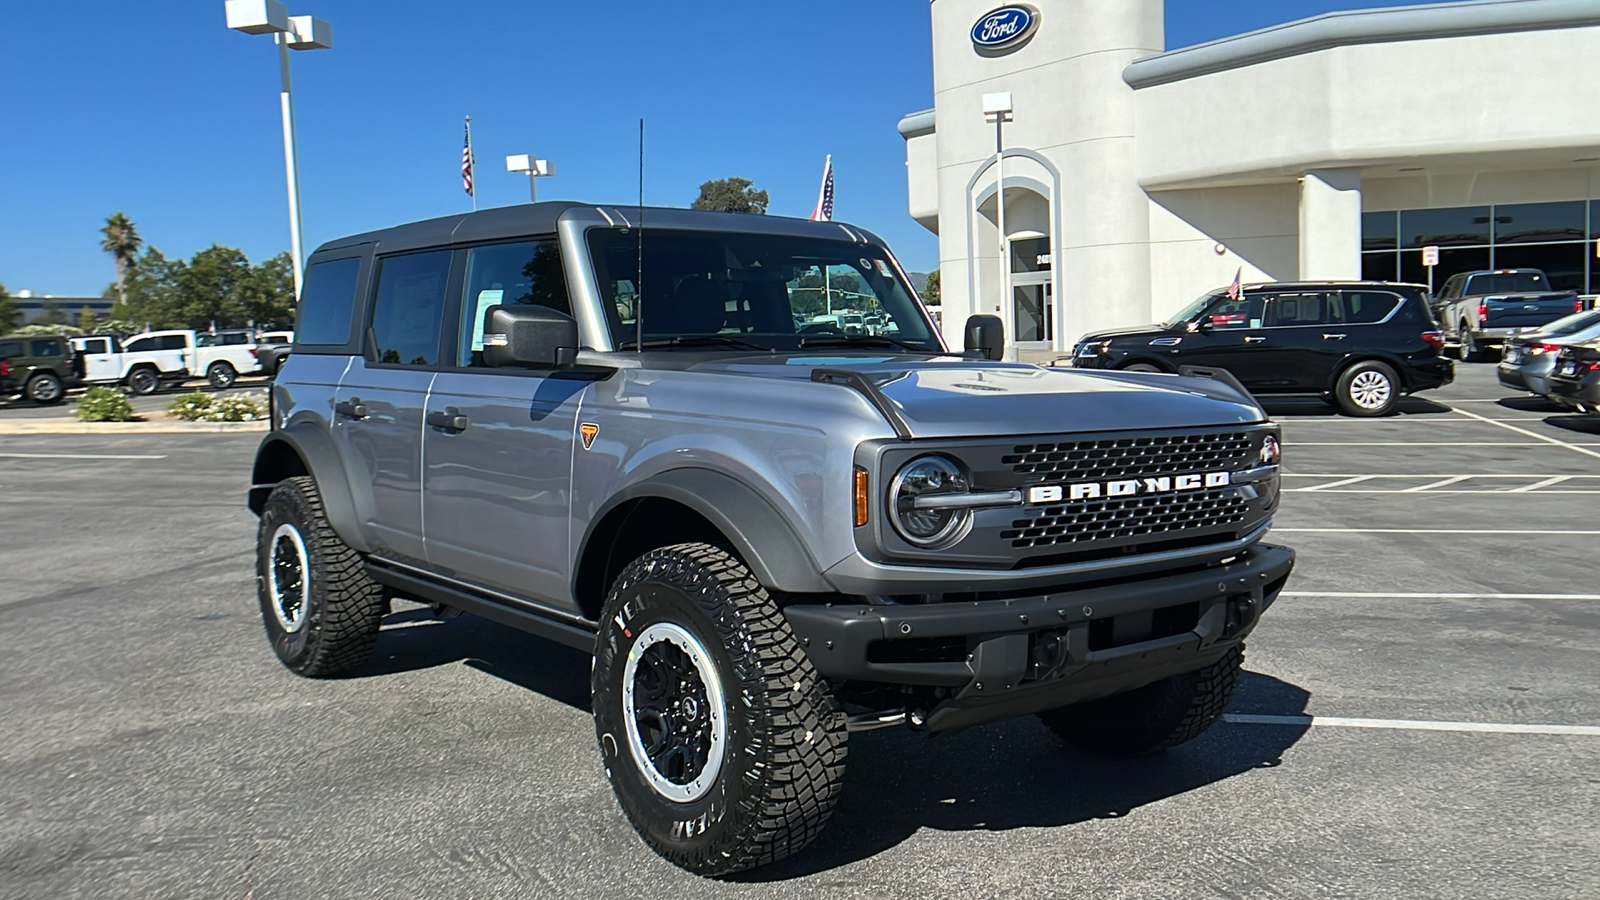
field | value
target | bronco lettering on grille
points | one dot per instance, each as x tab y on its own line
1130	487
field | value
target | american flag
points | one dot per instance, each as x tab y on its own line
466	162
824	210
1234	289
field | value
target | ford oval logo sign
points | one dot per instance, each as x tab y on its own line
1005	27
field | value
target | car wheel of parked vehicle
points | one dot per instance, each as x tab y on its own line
1469	345
1142	367
723	745
320	609
45	389
1154	717
221	374
143	380
1368	388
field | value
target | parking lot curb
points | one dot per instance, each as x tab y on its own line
10	428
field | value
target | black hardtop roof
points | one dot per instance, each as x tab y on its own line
507	222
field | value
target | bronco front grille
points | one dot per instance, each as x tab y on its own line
1120	518
1131	457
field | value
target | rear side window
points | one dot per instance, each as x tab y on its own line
327	302
1311	308
11	348
1367	307
409	308
139	345
97	345
229	340
46	348
172	342
527	274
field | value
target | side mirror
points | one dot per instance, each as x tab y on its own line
530	337
986	334
1204	325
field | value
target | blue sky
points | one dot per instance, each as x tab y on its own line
156	109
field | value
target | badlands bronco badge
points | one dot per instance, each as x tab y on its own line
1131	487
588	430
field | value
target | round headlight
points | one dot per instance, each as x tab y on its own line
925	478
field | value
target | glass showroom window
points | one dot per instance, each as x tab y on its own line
1550	236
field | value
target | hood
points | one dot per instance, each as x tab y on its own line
1151	330
955	397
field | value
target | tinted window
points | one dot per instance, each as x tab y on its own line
327	301
1244	312
1539	222
97	345
1461	226
527	274
1384	266
1378	230
46	348
1562	262
1310	308
172	342
1366	307
11	348
407	311
230	340
205	340
1510	282
139	345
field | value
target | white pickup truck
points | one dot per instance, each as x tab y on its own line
146	362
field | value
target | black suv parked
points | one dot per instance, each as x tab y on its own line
1359	345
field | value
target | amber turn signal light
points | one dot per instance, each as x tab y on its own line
861	497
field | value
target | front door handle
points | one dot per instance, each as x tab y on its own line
353	408
450	420
1254	340
1333	337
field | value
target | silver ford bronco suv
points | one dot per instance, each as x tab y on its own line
655	442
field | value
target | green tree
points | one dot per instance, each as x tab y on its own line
9	313
731	195
122	241
269	294
930	291
87	320
150	294
50	313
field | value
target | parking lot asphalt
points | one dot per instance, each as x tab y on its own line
153	747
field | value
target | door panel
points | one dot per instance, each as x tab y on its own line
378	426
497	493
1236	341
1307	341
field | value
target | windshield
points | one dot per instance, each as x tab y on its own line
1507	283
1188	313
1581	321
752	291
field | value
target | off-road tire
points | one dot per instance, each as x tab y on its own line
784	746
45	389
343	607
222	375
144	381
1359	387
1152	718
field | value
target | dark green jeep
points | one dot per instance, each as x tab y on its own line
40	367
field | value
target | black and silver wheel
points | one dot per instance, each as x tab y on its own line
1470	352
221	374
724	747
1152	718
143	381
320	609
44	388
1368	388
1141	367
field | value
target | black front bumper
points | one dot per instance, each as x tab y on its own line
1008	658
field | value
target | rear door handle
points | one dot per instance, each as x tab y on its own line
1254	340
353	408
1333	337
450	420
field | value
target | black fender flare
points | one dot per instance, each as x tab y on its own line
762	537
314	448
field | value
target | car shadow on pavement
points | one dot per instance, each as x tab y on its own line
1529	404
1018	775
1589	426
1310	407
413	639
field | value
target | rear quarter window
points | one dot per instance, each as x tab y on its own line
46	348
1367	307
11	348
327	303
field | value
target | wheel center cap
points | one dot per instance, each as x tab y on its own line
691	708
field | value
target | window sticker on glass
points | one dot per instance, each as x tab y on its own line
486	299
1255	323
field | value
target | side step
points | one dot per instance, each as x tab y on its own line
518	614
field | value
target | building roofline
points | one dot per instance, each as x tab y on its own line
1359	26
916	124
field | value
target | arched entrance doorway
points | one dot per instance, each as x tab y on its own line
1020	284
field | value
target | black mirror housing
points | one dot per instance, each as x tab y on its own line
987	335
529	337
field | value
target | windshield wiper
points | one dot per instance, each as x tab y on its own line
694	340
846	340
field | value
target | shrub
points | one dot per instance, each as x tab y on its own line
237	408
103	404
189	407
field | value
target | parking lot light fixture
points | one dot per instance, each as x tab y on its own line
535	169
290	33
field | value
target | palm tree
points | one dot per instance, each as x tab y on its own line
122	241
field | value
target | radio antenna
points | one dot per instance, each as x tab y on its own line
638	278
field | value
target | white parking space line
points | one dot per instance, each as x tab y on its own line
1440	483
1391	595
1333	484
1549	440
1411	725
81	456
1276	529
1443	482
1292	444
1553	479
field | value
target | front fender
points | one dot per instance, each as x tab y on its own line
313	448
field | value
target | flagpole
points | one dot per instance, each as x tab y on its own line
473	158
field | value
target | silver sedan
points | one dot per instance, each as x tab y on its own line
1528	358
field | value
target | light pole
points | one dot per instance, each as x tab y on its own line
997	109
534	168
290	33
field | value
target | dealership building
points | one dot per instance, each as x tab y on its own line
1127	179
